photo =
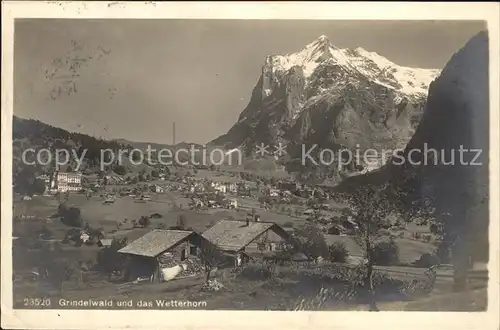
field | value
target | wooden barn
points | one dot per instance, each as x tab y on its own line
243	238
159	249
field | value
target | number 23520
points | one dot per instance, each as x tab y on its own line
36	302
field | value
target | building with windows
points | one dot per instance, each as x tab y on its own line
162	249
67	181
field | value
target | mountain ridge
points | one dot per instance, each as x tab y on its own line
332	97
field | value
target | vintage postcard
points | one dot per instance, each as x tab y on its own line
239	165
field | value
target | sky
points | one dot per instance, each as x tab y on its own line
137	77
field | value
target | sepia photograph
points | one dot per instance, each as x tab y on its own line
202	164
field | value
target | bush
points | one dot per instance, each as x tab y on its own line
109	260
181	222
38	186
338	252
310	240
427	260
144	221
45	233
70	216
385	253
256	272
72	235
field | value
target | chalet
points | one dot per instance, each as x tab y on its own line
159	249
337	229
232	187
105	242
196	187
220	187
113	180
308	212
84	236
157	189
235	236
273	192
109	200
350	224
230	203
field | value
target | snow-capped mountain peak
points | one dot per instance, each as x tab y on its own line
332	97
370	64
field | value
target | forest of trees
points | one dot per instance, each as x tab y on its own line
30	133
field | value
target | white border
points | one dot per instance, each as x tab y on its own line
66	319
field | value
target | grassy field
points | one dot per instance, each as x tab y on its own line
248	293
170	205
238	293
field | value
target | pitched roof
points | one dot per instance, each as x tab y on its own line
106	241
155	242
234	234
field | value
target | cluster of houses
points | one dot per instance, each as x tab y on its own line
211	200
223	187
288	188
236	242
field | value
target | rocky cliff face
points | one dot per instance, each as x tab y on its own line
456	117
331	97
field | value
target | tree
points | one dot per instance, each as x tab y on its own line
338	252
181	222
24	180
311	242
45	233
72	235
95	234
56	271
70	216
39	186
210	256
144	221
120	170
385	253
370	206
434	229
109	260
451	197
